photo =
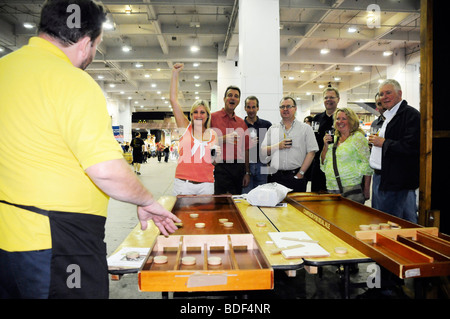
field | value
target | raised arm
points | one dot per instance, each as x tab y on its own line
180	118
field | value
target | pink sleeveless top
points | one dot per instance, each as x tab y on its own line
195	163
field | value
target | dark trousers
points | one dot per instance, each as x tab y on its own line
286	178
75	267
228	178
318	180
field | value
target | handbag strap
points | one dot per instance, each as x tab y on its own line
336	172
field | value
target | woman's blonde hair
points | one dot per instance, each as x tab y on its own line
352	119
205	104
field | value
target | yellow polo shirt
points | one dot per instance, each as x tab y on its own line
53	125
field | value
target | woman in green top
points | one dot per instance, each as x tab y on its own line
352	158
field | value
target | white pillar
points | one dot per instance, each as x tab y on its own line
227	74
259	55
124	119
408	75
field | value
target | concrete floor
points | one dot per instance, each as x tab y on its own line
158	178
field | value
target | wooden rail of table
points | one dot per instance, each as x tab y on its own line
286	219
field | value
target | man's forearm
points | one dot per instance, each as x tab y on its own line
116	179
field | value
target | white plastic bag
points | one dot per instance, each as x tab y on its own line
268	195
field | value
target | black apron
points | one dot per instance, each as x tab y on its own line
78	266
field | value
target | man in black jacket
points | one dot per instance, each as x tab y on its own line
395	154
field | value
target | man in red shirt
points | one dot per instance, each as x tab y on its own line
233	172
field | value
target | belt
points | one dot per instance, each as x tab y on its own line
377	171
287	172
192	182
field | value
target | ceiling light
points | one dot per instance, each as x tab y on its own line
100	77
153	85
128	10
126	48
194	24
112	85
358	68
108	25
29	25
139	65
352	30
195	48
387	53
321	86
147	75
197	84
196	65
196	77
291	78
325	51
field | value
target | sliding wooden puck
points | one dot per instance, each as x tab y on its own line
214	261
160	259
200	225
374	226
223	220
132	255
340	250
193	215
385	226
261	224
228	224
364	227
188	260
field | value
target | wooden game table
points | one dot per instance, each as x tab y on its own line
257	221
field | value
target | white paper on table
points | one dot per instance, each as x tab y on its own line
309	249
119	259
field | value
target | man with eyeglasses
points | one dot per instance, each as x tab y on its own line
290	146
325	120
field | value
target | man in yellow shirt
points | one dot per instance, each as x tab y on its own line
60	162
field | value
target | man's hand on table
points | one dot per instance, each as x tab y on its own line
162	218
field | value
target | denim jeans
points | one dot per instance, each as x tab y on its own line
25	275
401	203
257	177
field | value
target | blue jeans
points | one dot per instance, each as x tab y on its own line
25	275
256	178
401	203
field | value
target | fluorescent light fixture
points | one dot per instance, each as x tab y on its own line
29	25
388	53
325	51
358	68
107	25
195	48
126	48
352	29
139	65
